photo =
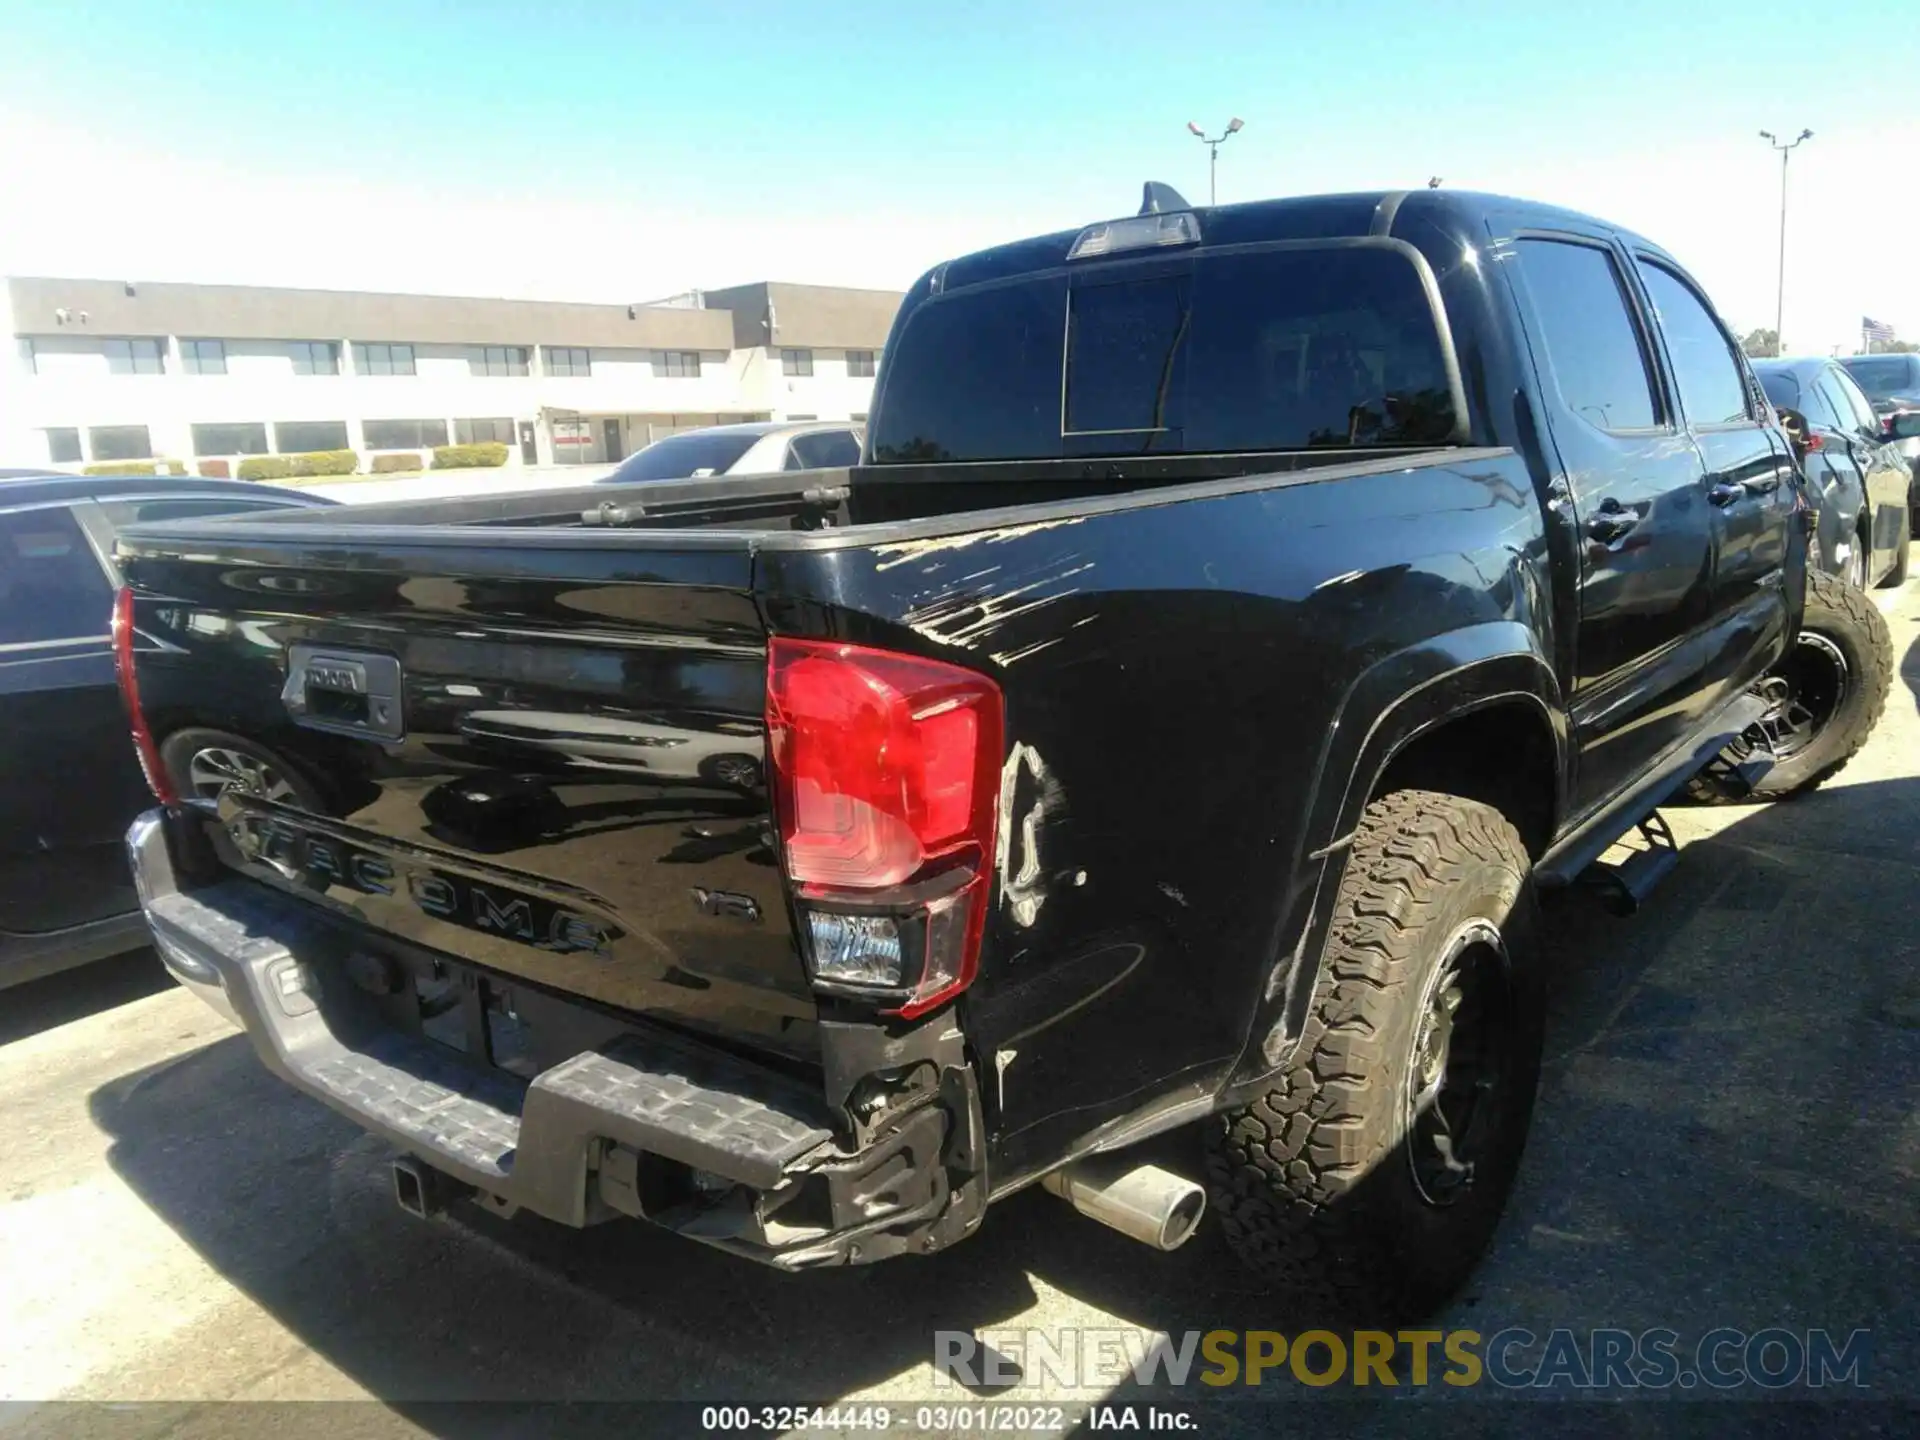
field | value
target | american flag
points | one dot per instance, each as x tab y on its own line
1874	330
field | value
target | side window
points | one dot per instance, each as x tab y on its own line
1821	408
829	449
51	586
1592	345
1857	405
1712	389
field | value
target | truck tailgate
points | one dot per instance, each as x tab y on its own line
547	760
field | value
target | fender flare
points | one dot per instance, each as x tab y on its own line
1389	705
1400	697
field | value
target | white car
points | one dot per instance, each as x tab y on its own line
759	449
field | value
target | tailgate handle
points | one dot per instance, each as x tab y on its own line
346	692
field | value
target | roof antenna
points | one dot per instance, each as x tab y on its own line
1158	198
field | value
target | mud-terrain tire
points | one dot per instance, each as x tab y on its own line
1330	1187
1839	671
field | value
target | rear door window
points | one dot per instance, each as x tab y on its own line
51	584
1266	349
1822	408
1856	405
826	449
1712	389
1593	345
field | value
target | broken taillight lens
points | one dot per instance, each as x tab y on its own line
143	744
885	779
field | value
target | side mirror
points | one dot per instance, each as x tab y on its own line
1903	425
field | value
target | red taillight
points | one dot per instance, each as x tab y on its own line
885	774
143	745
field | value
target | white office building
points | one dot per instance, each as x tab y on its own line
206	374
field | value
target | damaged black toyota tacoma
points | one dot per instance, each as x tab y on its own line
1240	620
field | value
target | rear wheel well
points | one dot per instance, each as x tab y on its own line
1502	755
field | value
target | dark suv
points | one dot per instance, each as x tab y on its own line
69	781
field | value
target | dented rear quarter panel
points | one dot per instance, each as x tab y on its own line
1191	680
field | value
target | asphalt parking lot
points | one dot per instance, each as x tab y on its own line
1728	1134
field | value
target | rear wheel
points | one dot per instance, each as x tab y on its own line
1368	1180
207	764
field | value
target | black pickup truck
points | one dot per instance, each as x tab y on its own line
1238	617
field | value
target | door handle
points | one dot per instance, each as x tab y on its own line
1611	522
1724	493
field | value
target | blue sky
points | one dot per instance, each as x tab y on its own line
610	151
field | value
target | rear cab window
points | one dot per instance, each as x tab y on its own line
1884	375
1289	347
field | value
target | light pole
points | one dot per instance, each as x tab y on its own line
1213	152
1785	148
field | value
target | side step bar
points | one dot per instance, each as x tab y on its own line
1567	861
1624	887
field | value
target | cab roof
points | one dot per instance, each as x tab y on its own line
1403	214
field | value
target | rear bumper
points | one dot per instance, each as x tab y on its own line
651	1125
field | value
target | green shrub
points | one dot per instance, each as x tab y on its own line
135	467
266	467
215	469
325	462
387	464
469	457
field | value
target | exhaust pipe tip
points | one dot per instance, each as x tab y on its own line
1143	1202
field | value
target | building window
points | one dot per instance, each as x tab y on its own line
796	362
318	357
484	432
246	439
383	359
136	357
301	437
677	364
498	359
120	442
803	417
204	357
568	360
860	364
404	434
63	445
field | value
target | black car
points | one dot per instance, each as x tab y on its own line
1892	385
1853	465
69	779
